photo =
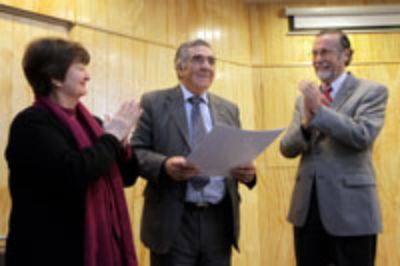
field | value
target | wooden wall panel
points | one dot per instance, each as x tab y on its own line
272	46
132	44
387	161
15	93
278	85
132	51
6	55
167	23
276	242
275	91
122	68
64	9
280	62
234	82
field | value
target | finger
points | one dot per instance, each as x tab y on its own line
245	170
249	167
135	105
125	108
248	177
189	166
306	93
131	107
107	118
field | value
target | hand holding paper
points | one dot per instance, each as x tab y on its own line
245	173
179	168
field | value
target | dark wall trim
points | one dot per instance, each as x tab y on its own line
35	16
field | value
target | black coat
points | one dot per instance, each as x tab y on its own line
48	179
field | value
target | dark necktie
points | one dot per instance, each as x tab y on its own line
328	97
199	131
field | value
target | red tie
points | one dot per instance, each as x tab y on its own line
327	100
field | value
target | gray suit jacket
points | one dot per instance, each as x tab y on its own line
162	132
337	157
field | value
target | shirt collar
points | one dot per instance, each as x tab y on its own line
187	94
337	84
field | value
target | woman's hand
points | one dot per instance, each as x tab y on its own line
123	121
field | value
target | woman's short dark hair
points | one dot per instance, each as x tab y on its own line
49	58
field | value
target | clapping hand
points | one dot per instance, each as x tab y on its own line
123	121
312	99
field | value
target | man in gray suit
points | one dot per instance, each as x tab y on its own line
187	219
335	209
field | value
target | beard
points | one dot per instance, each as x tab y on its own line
325	75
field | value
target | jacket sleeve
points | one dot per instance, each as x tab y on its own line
129	167
359	130
295	141
151	163
38	144
127	163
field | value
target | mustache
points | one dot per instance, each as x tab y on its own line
322	65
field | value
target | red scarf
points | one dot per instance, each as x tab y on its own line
108	237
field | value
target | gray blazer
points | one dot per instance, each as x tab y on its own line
337	157
162	132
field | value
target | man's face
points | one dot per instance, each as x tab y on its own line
197	73
329	60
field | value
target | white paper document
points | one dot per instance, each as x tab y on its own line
227	147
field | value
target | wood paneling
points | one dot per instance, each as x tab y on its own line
132	44
224	23
122	68
64	9
271	45
280	61
278	85
15	93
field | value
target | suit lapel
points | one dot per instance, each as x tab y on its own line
347	89
217	113
176	107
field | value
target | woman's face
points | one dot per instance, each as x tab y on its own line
74	84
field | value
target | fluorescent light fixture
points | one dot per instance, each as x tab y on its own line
354	18
208	34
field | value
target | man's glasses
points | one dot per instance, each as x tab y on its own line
323	52
199	59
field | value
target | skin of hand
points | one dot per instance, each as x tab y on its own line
123	121
312	99
245	173
180	169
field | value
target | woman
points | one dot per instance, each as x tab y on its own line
67	172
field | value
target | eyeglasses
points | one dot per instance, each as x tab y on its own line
323	52
199	59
